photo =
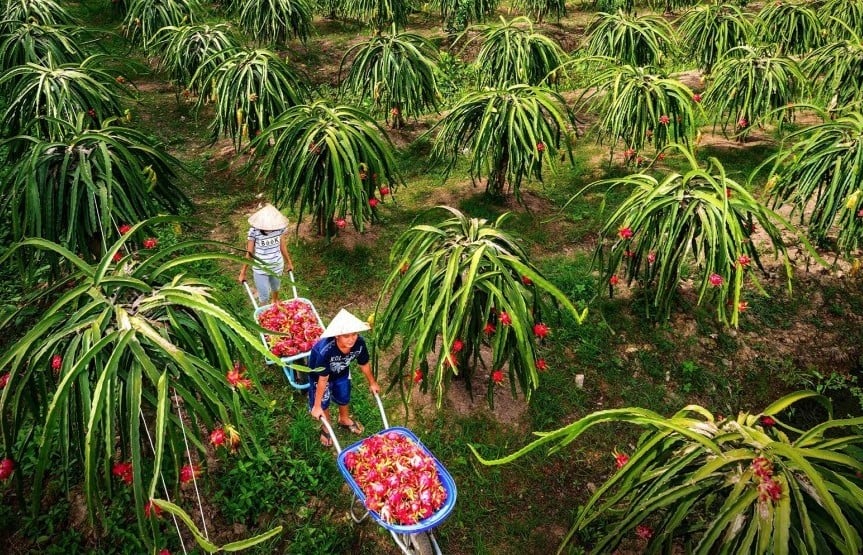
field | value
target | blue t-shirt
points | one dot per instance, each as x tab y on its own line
333	363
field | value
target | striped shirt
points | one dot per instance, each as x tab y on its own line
268	249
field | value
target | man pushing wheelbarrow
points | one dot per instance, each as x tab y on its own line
330	378
419	493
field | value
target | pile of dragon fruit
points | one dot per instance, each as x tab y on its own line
297	319
399	479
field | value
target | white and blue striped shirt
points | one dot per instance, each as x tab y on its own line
268	249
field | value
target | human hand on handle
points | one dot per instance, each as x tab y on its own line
373	383
317	413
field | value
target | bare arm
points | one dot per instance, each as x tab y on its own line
283	246
367	372
250	252
320	388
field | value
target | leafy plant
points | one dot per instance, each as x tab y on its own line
611	6
275	21
144	18
630	39
76	191
693	377
670	5
37	44
250	89
639	107
509	133
379	14
838	385
750	87
750	484
265	482
834	71
53	517
456	288
818	175
845	20
44	99
709	31
190	49
539	9
330	161
206	544
512	54
330	9
700	217
38	12
792	25
316	535
455	75
119	342
118	523
398	71
456	15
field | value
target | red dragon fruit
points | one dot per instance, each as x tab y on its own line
7	467
298	320
399	479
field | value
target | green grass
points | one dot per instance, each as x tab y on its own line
740	162
525	506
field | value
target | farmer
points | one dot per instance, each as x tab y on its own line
266	242
330	360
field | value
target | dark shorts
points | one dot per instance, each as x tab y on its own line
339	391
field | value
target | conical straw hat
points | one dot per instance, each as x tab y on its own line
343	323
268	218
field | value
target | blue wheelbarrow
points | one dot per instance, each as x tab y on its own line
415	539
298	380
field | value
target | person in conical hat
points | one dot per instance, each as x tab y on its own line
330	378
266	243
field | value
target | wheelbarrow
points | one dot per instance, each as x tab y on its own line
298	380
415	539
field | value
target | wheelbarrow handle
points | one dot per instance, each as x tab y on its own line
383	413
293	282
251	296
325	423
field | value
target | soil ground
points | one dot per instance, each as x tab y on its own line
818	336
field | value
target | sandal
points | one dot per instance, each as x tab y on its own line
353	427
326	440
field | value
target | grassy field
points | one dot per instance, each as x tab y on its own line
810	338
